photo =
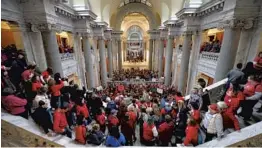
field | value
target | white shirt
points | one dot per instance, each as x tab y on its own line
154	130
39	98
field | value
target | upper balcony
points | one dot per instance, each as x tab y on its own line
207	63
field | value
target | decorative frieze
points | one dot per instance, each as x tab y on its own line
237	23
154	34
48	27
116	35
206	9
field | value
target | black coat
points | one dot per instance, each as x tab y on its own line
42	118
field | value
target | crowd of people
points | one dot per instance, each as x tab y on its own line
213	46
111	116
128	74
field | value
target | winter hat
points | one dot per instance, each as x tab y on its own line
213	107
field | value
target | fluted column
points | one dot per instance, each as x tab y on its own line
119	55
160	58
228	51
88	62
151	42
243	46
80	60
184	62
168	60
193	61
103	71
53	56
110	58
175	64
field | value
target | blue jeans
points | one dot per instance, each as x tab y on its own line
49	110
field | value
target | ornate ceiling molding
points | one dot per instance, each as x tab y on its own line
204	10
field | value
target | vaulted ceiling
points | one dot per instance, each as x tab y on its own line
106	10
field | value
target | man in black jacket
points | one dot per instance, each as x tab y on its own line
42	117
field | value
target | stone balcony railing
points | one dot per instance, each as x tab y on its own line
67	56
207	63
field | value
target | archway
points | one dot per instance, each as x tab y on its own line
136	8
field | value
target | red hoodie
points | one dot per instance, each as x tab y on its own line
60	122
101	119
132	118
191	135
196	115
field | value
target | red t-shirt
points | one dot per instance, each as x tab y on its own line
36	86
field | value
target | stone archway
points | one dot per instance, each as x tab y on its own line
136	8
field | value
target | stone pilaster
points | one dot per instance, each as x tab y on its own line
109	51
116	35
163	34
168	60
88	60
228	49
192	70
53	56
183	74
244	41
150	63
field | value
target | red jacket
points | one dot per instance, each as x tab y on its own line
60	122
173	113
191	135
112	121
132	118
80	134
82	110
229	118
165	131
148	133
196	115
13	104
36	86
45	74
55	89
101	119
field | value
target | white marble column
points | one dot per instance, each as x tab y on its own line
150	63
110	58
36	42
227	54
243	46
192	70
53	56
103	71
160	58
119	55
175	64
184	62
78	54
88	62
168	60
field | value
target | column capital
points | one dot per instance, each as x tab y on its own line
237	23
185	33
45	27
84	34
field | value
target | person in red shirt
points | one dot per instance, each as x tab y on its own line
195	113
60	122
258	62
132	119
149	132
101	120
253	93
46	75
55	92
80	130
191	133
81	109
112	119
179	97
127	130
29	73
232	101
36	84
165	131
